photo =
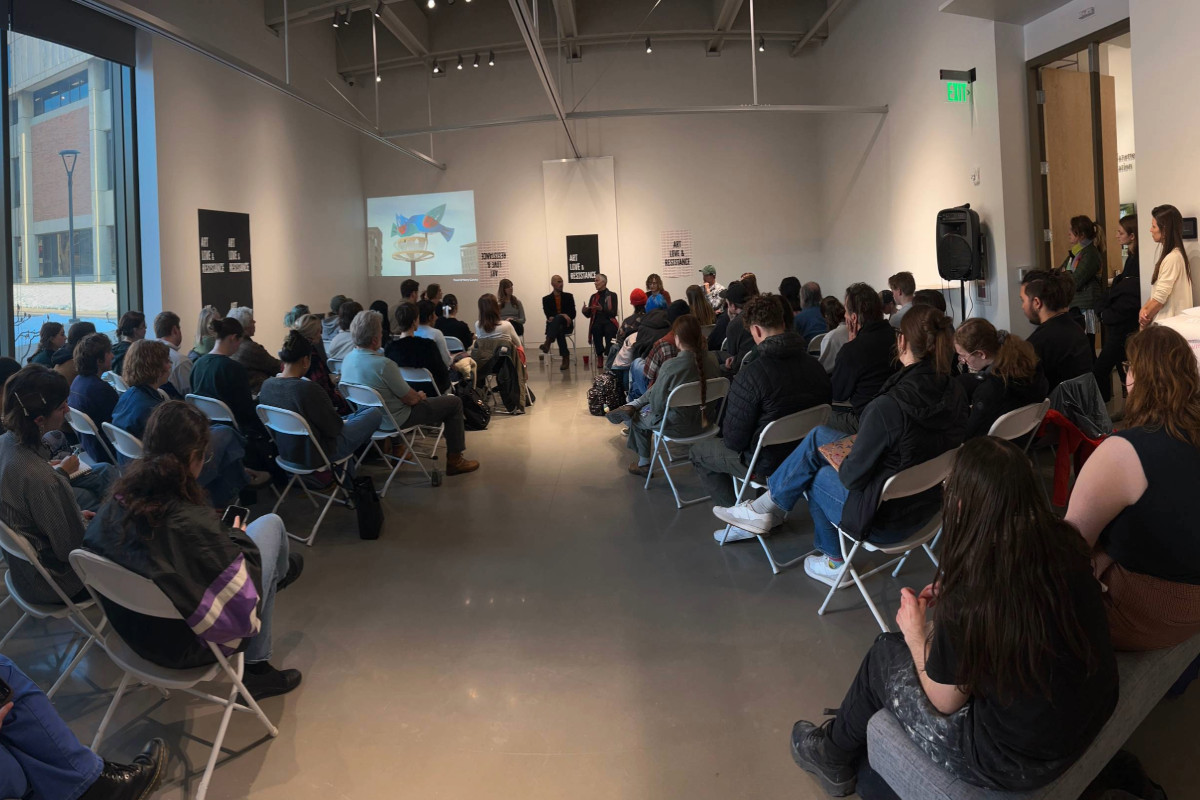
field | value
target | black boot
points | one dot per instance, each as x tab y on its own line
131	781
262	680
295	567
813	752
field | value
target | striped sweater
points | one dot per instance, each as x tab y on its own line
210	572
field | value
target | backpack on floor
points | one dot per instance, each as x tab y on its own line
476	413
605	394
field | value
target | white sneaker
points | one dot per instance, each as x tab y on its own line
820	567
744	517
736	534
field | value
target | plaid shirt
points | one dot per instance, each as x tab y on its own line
663	350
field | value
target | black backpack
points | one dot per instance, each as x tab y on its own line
605	394
476	413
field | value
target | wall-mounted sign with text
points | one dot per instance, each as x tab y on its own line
225	276
493	263
583	258
677	254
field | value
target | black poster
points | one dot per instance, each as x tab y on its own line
583	258
225	260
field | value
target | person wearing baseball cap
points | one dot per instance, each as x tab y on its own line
712	289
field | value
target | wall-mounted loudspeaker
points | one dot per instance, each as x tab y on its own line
959	244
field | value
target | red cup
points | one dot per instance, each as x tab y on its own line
585	360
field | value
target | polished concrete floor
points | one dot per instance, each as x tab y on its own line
543	628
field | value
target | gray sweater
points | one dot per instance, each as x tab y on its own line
310	401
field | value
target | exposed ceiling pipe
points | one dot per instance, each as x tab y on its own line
541	66
833	6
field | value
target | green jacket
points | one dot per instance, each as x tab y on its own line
675	372
1089	276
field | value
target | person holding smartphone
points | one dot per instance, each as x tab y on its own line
40	757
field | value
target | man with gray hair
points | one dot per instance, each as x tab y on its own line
367	365
809	322
259	364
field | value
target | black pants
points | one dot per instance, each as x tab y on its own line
557	329
1112	353
602	333
519	327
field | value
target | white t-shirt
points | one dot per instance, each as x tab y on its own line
504	329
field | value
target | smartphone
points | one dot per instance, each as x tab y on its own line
234	512
6	693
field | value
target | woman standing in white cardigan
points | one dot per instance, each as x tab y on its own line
1171	292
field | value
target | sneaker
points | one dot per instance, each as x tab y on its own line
736	534
744	517
130	781
824	569
263	680
809	751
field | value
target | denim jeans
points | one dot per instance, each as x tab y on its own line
271	538
637	379
91	488
795	475
356	430
39	756
826	499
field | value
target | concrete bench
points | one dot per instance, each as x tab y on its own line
1145	678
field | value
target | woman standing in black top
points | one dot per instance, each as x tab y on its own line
1004	373
1119	310
1016	676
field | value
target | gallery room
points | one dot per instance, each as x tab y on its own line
599	399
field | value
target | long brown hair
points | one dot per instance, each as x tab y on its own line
31	392
698	303
929	335
489	312
686	330
1170	224
1083	227
1014	358
504	293
1166	384
1128	224
1002	591
150	486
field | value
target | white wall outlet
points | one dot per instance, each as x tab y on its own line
975	177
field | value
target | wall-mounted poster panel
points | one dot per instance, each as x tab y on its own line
583	258
677	254
225	276
581	219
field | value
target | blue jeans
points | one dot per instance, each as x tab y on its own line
39	756
271	538
356	431
224	475
637	379
91	488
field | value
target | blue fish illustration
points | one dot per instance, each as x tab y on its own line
422	223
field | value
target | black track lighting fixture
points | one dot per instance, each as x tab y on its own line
475	63
379	79
337	18
432	4
378	8
346	16
460	63
762	44
437	68
491	58
649	49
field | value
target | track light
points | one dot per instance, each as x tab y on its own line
475	64
432	4
491	58
346	16
437	68
379	79
378	8
337	18
460	63
649	49
762	44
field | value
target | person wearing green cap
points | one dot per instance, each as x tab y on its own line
712	289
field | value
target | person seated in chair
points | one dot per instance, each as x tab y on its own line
450	325
1061	345
644	369
331	323
219	376
602	309
92	395
1010	712
167	331
413	352
309	326
866	361
559	308
783	379
1004	373
131	328
920	413
259	364
342	342
694	363
810	322
64	357
221	579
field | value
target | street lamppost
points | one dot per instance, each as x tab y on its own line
68	158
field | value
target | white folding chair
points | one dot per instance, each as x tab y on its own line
334	365
365	396
907	483
455	345
123	442
814	344
684	396
114	380
1021	422
421	375
214	409
104	578
282	422
15	545
82	424
791	428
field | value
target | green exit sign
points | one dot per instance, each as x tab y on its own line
958	91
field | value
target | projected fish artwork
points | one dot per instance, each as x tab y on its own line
422	223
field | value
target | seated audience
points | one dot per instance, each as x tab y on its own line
131	328
1005	712
810	322
332	322
367	366
789	290
490	326
426	316
413	352
36	499
889	302
512	310
694	363
410	290
1118	309
738	341
721	325
834	314
920	413
1132	500
145	362
8	368
1004	373
64	357
90	394
644	371
632	323
866	361
337	437
782	380
654	285
342	342
712	289
433	293
382	307
159	525
219	376
259	364
309	326
450	325
559	308
653	326
930	297
602	309
699	307
41	758
750	281
297	311
204	340
167	331
903	287
51	337
1061	345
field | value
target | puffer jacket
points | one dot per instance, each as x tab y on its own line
917	416
782	380
654	326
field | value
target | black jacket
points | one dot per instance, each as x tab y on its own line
990	397
608	304
783	379
740	343
1063	349
917	416
568	305
718	332
654	326
1120	307
416	352
864	364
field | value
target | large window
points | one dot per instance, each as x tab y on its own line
70	151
